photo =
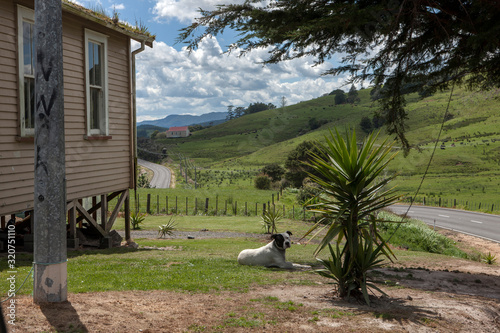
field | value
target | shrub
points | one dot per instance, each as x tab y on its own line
262	182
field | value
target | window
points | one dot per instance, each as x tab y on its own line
26	58
96	83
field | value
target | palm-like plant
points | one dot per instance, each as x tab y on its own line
269	219
352	191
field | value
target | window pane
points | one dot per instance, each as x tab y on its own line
97	65
28	48
91	63
29	102
95	106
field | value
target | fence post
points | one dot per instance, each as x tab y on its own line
283	210
195	206
235	208
272	198
157	204
186	206
175	205
293	212
206	206
256	213
166	204
148	204
263	208
246	210
225	208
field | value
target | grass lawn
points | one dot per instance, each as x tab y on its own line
198	265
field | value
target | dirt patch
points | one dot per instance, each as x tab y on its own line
454	295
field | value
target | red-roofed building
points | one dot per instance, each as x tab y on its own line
178	132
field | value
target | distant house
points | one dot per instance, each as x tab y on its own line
178	132
99	115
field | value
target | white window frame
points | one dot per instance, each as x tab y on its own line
23	15
98	38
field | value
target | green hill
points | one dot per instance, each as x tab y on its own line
465	166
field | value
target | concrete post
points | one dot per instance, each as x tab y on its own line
50	252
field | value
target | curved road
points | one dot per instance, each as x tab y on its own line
482	225
161	174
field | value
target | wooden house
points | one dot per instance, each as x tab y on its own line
178	132
99	111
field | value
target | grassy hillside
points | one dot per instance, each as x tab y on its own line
465	167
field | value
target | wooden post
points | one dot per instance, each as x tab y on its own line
272	198
166	204
158	204
235	208
148	204
206	206
186	206
195	206
216	205
127	217
50	249
175	205
104	210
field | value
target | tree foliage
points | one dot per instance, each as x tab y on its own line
391	43
295	163
273	171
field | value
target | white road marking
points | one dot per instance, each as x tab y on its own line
443	215
473	221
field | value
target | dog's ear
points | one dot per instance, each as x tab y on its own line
289	232
273	236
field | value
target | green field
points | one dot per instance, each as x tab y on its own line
465	167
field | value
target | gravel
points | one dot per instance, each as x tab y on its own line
202	234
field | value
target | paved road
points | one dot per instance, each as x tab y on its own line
161	174
486	226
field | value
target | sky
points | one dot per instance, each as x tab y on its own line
172	81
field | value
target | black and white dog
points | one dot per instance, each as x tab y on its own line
270	255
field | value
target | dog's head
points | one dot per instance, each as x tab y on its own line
282	240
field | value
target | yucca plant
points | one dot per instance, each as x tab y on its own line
352	191
136	218
166	229
269	219
489	258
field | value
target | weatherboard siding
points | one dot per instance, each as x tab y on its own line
93	167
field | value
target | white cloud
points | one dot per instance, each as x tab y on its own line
118	6
184	10
176	82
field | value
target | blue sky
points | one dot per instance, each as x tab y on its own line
170	81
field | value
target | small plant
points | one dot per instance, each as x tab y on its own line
269	219
142	181
166	229
136	219
489	258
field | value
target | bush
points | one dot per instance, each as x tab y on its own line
262	182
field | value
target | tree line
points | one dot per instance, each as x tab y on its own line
239	111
